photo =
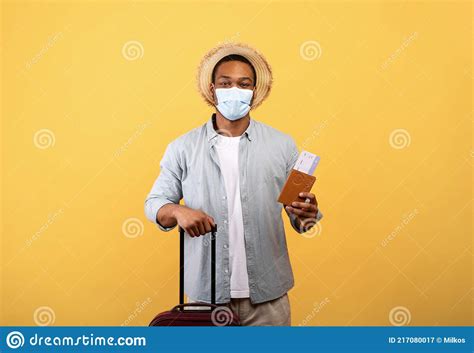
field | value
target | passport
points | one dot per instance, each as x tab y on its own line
300	178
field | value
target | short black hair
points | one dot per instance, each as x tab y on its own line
233	57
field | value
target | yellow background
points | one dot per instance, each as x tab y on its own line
396	233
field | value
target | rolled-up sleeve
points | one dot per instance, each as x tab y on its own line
293	154
166	188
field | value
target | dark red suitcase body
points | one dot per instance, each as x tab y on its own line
192	314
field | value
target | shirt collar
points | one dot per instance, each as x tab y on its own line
211	132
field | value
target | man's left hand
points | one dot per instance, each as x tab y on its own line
304	210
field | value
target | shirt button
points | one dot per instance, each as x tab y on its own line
226	271
223	197
225	246
225	221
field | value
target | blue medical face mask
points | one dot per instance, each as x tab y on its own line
233	103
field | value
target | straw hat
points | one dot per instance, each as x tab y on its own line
260	64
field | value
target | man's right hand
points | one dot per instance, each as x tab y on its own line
194	222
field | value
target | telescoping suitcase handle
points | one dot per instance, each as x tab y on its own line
213	265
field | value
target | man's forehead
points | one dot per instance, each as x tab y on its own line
234	65
234	69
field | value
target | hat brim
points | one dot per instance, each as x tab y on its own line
260	64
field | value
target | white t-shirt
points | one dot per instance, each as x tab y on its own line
228	151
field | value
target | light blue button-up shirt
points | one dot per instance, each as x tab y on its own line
190	171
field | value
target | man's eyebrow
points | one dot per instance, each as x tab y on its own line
240	78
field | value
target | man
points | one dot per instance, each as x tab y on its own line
230	172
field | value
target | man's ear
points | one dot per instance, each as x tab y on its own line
213	91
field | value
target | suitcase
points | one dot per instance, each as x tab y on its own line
192	314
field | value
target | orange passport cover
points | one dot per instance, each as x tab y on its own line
297	182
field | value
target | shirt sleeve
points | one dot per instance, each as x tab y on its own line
291	161
166	188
